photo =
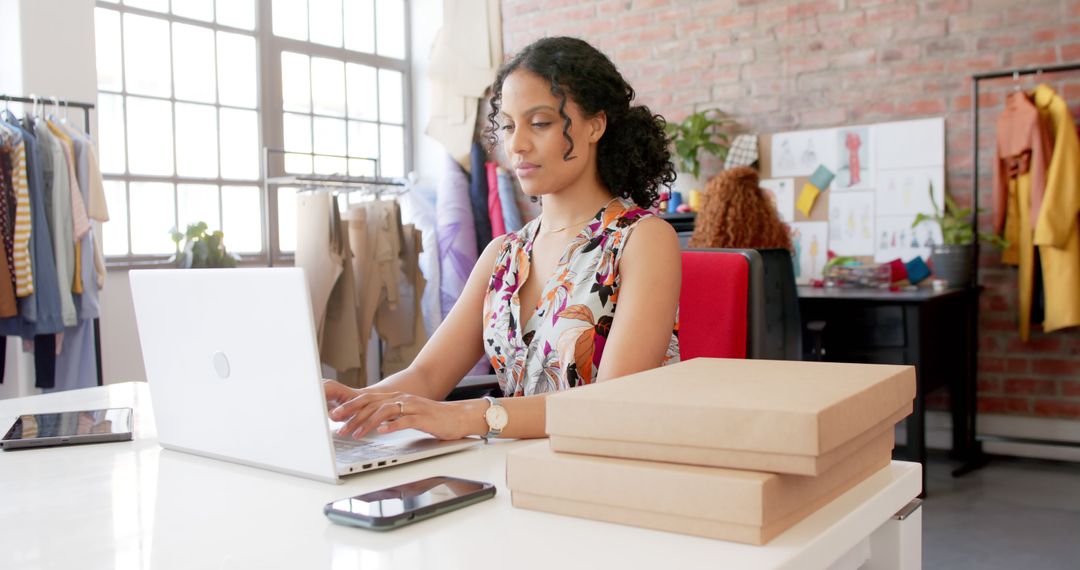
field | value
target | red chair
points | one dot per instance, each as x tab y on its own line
720	308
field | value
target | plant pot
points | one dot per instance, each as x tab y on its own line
953	263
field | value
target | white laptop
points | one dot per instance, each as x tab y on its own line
234	373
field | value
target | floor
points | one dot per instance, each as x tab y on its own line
1011	514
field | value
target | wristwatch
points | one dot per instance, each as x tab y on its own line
496	417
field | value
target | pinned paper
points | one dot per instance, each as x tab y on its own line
806	198
822	177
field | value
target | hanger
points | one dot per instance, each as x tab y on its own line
1016	82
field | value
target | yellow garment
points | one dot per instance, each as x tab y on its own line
1011	254
1020	187
80	223
20	250
1056	232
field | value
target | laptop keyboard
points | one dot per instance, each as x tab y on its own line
352	450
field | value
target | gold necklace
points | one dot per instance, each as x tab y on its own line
564	228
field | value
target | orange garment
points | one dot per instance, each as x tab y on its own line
1023	150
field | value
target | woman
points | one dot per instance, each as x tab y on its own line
737	213
540	302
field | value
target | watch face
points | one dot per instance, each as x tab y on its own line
496	417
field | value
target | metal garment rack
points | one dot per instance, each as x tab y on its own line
86	107
979	459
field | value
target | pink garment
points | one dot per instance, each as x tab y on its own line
853	143
498	224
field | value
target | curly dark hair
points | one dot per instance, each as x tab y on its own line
632	156
735	212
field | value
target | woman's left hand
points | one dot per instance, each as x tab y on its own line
386	412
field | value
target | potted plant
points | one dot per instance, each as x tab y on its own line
954	258
698	132
202	249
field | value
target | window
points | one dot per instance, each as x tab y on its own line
190	91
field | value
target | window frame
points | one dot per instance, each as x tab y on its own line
270	111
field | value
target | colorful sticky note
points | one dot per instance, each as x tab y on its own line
822	177
806	198
917	270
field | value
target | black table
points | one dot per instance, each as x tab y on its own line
935	331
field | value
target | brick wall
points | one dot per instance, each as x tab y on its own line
782	65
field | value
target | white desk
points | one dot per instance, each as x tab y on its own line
135	505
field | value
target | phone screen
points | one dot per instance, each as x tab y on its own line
400	499
67	424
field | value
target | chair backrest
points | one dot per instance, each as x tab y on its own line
782	330
720	305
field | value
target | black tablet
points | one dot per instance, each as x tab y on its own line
69	428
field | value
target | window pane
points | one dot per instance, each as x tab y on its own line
146	55
195	9
198	203
328	86
295	82
193	63
360	25
329	139
236	70
152	218
363	142
241	218
326	22
110	69
196	140
297	131
390	97
286	200
114	232
390	23
363	101
150	137
290	19
392	151
155	5
239	144
236	13
111	136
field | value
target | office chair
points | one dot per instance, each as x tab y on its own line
782	334
721	312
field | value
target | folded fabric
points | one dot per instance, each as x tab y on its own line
806	198
743	151
822	177
917	270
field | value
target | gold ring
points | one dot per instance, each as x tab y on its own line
401	408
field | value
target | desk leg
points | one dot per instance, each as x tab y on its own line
966	445
916	422
897	544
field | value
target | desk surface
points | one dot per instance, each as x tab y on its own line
135	505
923	294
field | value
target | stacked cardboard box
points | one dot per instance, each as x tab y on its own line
733	449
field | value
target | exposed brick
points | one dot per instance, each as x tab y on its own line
1035	344
635	20
856	58
823	117
897	14
1070	52
989	386
946	47
1056	367
1070	388
977	21
1028	386
939	8
647	4
1057	409
734	21
921	107
609	7
1003	405
987	364
712	8
734	56
1033	57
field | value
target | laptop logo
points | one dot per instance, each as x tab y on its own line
221	365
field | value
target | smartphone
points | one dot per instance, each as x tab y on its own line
69	428
400	505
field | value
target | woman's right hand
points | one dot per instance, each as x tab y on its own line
338	393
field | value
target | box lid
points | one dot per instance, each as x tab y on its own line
771	406
712	493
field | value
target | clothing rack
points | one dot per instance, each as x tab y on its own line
86	107
978	459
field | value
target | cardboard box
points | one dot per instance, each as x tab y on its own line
742	506
777	416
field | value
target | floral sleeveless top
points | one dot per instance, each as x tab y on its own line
562	343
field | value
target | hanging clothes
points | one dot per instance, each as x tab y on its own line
58	205
508	201
1020	162
398	358
457	238
1056	228
478	196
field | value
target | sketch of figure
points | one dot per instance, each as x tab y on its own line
813	255
851	224
866	233
796	240
884	240
907	192
894	238
903	237
914	239
809	156
787	157
929	241
853	142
